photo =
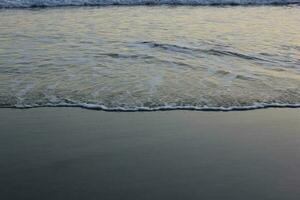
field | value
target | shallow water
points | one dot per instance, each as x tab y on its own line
150	58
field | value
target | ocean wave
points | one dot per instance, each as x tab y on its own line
55	3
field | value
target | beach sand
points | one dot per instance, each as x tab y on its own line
73	153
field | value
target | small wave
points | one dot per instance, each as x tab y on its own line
216	52
234	54
127	56
56	3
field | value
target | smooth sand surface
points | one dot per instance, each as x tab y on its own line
73	153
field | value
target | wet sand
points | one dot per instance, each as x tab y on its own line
73	153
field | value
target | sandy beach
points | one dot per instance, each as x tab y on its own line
73	153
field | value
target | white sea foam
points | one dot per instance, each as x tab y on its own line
54	3
165	107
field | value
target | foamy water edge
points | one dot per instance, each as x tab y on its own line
159	108
59	3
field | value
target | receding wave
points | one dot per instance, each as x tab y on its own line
124	59
54	3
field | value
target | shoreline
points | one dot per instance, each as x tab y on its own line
97	107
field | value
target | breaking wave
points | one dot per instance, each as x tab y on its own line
55	3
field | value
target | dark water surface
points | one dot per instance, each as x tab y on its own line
70	154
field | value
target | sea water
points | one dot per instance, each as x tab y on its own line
150	57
